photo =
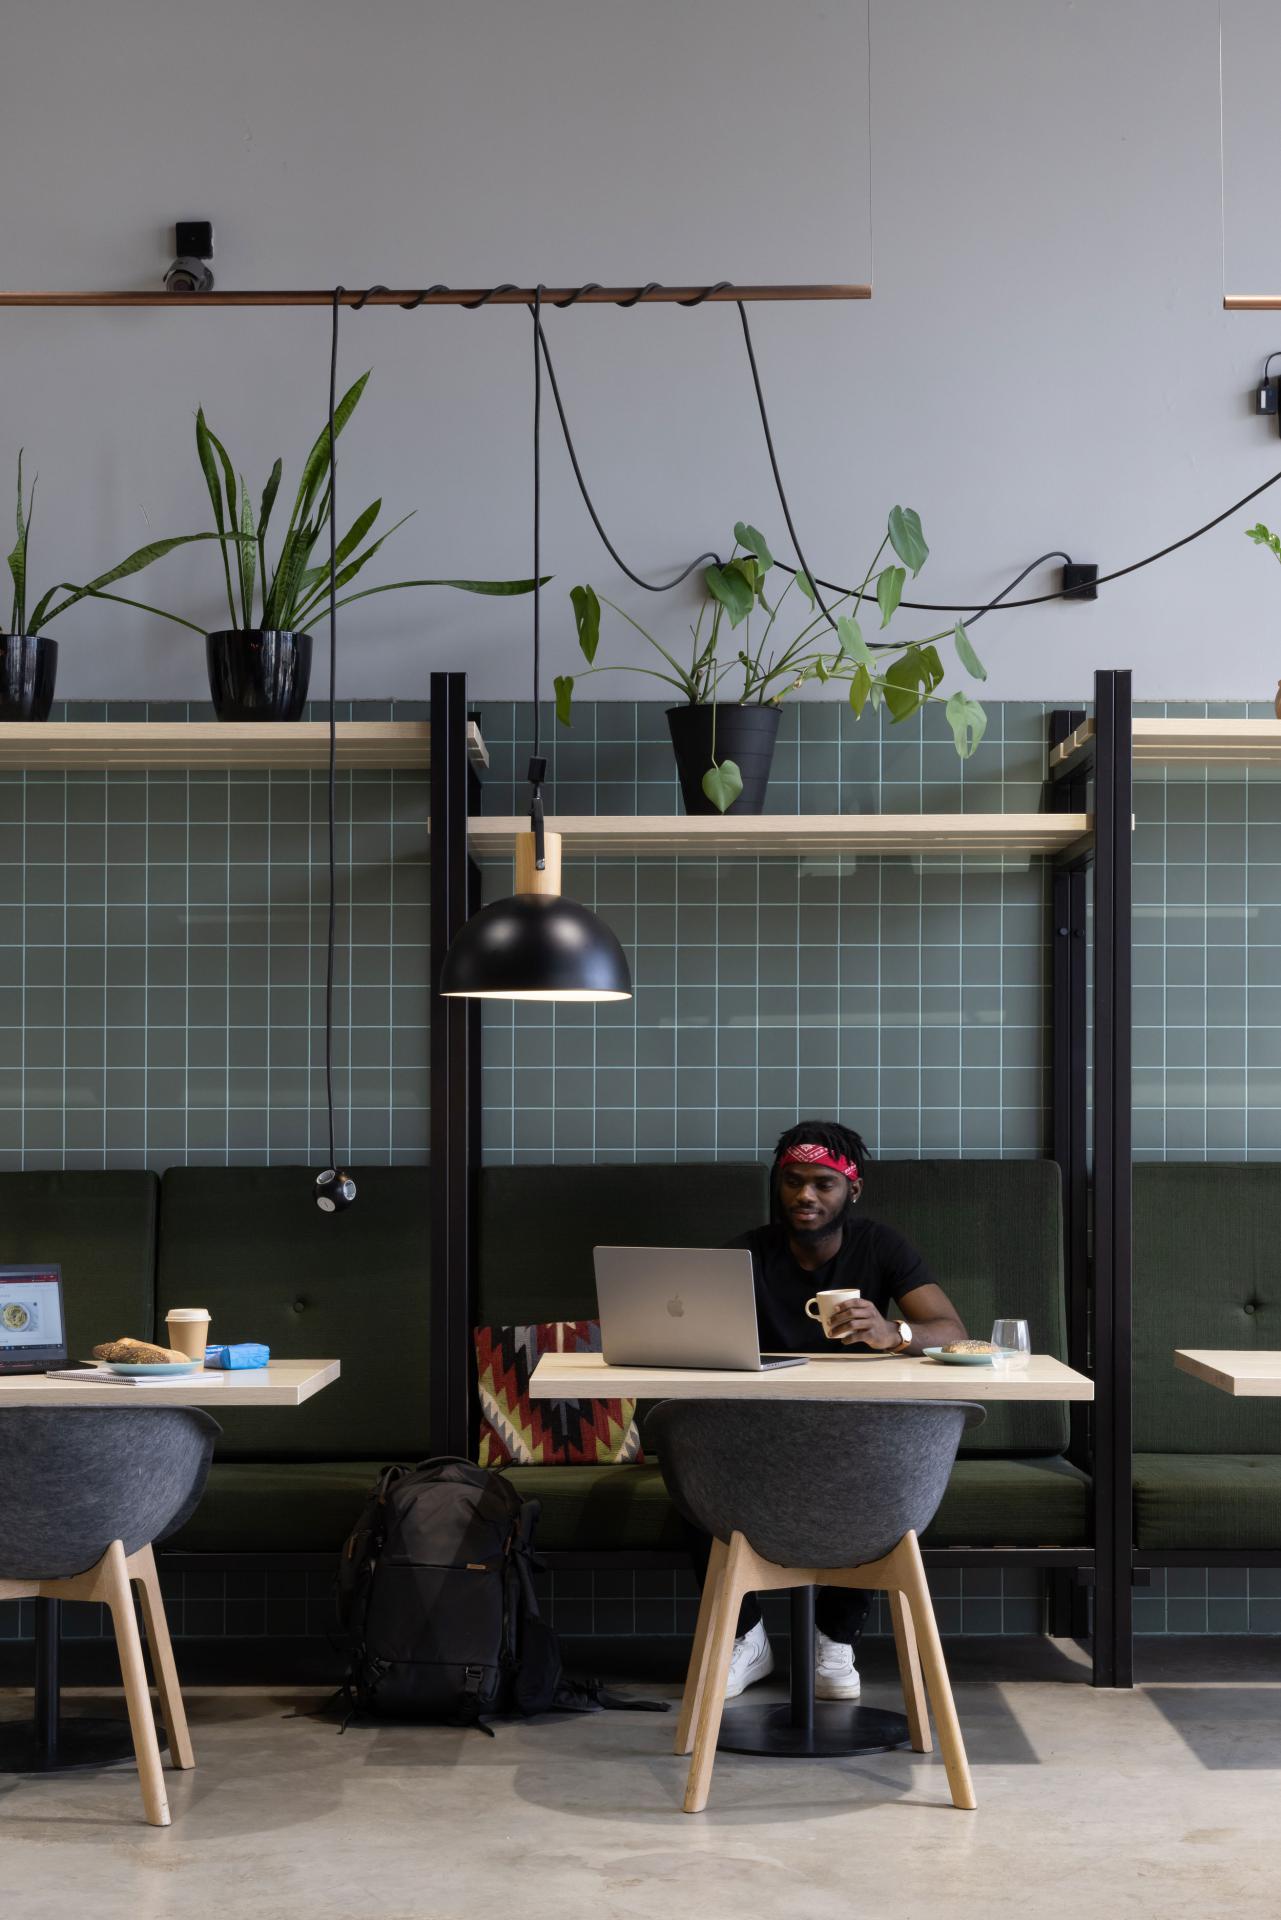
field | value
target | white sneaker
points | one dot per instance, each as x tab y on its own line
835	1675
751	1660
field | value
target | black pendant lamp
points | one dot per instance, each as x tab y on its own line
537	945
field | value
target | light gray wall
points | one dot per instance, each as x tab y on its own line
1045	362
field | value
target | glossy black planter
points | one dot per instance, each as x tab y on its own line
259	674
28	671
745	735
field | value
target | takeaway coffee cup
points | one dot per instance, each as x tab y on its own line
188	1330
825	1304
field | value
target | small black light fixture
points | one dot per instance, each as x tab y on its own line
536	945
194	246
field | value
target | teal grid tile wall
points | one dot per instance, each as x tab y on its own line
162	965
1207	958
909	995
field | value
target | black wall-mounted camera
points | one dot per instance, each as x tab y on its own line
193	245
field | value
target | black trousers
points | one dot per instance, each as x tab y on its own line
839	1612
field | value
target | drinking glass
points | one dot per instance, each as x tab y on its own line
1014	1343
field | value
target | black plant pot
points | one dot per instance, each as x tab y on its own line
259	674
745	735
28	671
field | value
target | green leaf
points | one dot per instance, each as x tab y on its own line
304	598
564	684
860	687
209	467
821	670
730	586
269	493
722	784
587	621
316	465
907	539
18	558
358	529
500	588
965	653
890	583
911	679
248	553
850	635
747	536
143	557
968	722
803	582
1264	537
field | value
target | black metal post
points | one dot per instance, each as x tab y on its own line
454	1082
48	1635
802	1658
1069	1599
1113	968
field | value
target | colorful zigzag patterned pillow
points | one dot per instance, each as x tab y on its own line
518	1431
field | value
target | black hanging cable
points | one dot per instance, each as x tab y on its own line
650	586
333	724
1002	605
537	765
334	1189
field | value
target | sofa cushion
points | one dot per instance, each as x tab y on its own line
249	1244
516	1429
537	1227
1230	1500
101	1229
1013	1503
285	1506
1205	1275
992	1234
601	1509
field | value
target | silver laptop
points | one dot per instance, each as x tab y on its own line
680	1307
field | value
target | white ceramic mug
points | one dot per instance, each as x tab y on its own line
823	1305
188	1330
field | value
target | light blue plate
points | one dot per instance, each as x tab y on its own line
152	1369
959	1359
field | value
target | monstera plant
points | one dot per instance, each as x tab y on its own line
751	647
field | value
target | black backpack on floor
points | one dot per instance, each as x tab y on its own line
436	1596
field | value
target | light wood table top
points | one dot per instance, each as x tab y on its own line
585	1376
1247	1375
281	1383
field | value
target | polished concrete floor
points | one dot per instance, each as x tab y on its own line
1164	1802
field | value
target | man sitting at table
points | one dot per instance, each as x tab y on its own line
815	1242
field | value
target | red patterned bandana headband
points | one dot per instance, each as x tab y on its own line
808	1155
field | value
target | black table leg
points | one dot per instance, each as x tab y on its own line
800	1729
48	1743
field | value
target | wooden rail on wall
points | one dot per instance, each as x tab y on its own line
446	297
88	746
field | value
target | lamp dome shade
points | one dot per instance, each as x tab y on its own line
536	946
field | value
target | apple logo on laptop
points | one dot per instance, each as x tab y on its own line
676	1307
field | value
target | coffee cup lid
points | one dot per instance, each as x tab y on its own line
187	1313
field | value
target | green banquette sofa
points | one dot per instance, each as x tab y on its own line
1207	1273
248	1244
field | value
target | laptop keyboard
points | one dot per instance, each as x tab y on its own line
788	1360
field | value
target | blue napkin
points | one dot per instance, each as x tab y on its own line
250	1353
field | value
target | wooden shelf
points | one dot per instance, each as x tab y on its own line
1160	745
792	834
201	746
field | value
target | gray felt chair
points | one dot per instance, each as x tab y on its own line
813	1493
84	1493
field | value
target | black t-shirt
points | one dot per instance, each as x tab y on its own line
879	1262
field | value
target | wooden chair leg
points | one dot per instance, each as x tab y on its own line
696	1678
117	1593
722	1628
142	1569
916	1592
909	1668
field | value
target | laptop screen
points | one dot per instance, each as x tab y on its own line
31	1329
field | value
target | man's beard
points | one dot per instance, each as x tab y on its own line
814	1236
